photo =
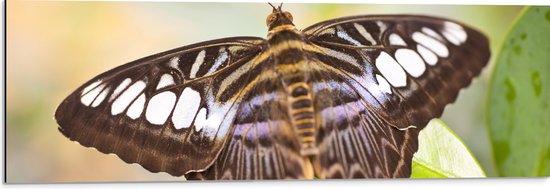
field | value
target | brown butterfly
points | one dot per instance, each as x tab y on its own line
344	98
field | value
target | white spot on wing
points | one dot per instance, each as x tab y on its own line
160	107
120	87
382	26
364	33
174	63
122	101
342	34
186	108
235	75
396	40
198	61
165	80
340	56
383	85
91	93
201	119
431	33
234	49
100	97
428	55
212	123
91	86
137	107
222	57
436	46
330	31
451	38
454	33
410	61
391	70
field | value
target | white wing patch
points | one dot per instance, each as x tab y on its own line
137	107
186	108
165	81
391	70
121	102
342	34
200	120
383	85
174	63
382	26
100	97
91	86
436	46
396	40
454	33
432	33
410	61
197	64
91	92
210	123
222	57
364	33
341	56
329	31
160	107
119	88
428	55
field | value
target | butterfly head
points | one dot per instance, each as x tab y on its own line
279	19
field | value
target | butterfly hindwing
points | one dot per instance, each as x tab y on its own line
160	111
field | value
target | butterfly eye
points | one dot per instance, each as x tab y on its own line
288	15
270	19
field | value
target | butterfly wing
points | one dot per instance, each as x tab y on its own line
163	111
394	72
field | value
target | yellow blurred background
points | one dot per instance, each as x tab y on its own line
54	47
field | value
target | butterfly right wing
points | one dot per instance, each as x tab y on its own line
169	112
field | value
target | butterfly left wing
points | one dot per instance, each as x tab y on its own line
399	71
165	112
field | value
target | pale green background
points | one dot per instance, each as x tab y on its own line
54	47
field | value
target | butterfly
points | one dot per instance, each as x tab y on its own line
343	98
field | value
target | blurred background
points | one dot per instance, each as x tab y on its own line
54	47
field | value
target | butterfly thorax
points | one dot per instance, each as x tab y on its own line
286	48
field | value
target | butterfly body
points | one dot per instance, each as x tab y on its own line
344	98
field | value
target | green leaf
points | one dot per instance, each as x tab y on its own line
441	154
518	113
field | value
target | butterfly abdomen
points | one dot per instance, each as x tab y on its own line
300	101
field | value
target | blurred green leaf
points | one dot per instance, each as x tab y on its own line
441	154
518	113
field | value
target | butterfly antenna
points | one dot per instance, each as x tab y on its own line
272	6
280	6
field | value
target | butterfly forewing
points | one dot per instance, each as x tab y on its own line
161	111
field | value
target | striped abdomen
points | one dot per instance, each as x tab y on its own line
302	118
